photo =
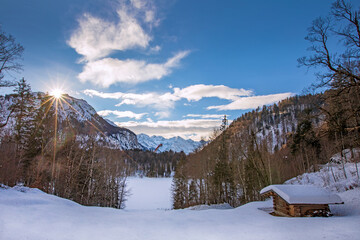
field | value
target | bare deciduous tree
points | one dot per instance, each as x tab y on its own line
10	54
342	71
341	25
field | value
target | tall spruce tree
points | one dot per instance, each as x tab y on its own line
180	186
39	136
223	176
23	111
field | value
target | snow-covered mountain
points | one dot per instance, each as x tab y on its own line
82	118
176	144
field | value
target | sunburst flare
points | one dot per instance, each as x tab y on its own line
57	93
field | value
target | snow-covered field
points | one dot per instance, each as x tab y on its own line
149	193
31	214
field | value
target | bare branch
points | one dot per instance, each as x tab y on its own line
7	119
343	24
10	54
342	11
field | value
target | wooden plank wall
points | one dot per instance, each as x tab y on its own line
282	208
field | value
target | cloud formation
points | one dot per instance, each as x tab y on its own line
199	91
205	116
152	99
96	38
121	114
163	114
147	10
252	102
241	99
108	71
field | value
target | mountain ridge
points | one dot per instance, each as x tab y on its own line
80	117
176	144
84	120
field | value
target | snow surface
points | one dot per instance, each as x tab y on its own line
212	206
33	215
303	194
149	193
331	176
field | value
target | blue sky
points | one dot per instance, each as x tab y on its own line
165	67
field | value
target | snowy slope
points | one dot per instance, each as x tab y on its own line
176	144
333	176
33	215
273	124
84	119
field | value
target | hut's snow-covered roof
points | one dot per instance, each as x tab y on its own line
303	194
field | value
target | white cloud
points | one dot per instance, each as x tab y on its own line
199	91
121	114
146	9
96	38
91	93
155	49
164	114
149	16
194	128
155	100
252	102
138	3
241	99
168	99
216	116
108	71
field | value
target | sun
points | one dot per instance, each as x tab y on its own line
57	93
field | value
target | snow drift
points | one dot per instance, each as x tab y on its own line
34	215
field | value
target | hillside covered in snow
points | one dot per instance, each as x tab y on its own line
342	173
77	115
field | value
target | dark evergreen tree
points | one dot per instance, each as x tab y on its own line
223	175
305	140
23	112
180	186
22	108
34	143
193	194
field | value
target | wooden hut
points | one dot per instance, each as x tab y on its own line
300	200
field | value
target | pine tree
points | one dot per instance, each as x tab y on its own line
23	111
22	107
180	192
39	136
305	140
180	186
223	176
193	194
